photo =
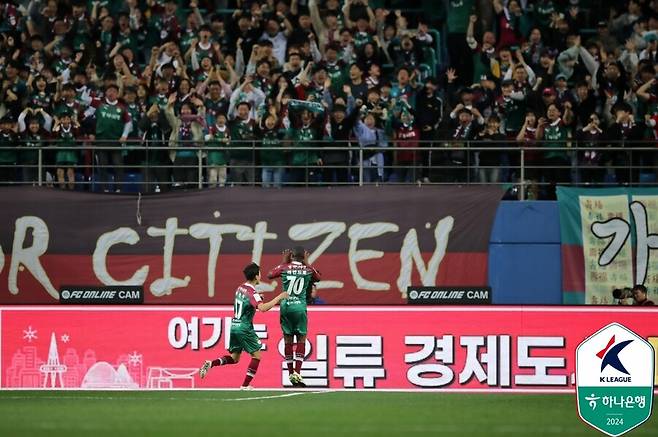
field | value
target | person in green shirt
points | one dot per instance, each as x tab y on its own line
243	135
113	124
457	24
309	118
555	134
272	155
217	138
65	134
243	336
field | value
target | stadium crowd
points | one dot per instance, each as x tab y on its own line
285	91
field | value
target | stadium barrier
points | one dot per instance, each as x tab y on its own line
431	162
490	349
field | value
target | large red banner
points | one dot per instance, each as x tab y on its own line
502	348
370	243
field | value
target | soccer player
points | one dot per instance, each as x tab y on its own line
243	336
297	278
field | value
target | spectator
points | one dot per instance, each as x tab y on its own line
66	136
407	135
8	151
589	159
306	127
243	136
625	132
429	110
336	162
489	162
459	12
272	155
467	125
527	138
33	137
484	60
369	136
155	136
113	125
68	56
186	136
218	137
555	133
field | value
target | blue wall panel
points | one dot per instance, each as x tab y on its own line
524	254
525	274
526	222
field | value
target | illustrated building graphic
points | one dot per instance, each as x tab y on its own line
53	369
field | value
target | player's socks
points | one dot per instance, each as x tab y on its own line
226	359
300	349
287	349
251	371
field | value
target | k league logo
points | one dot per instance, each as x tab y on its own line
610	356
614	380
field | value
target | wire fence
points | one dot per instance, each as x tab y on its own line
105	166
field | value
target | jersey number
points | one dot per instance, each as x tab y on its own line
295	284
238	309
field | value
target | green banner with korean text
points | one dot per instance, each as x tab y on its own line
608	236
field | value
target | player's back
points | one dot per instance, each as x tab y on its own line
296	280
244	307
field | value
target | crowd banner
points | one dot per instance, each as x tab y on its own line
608	237
370	243
393	347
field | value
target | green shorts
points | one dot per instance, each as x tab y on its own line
294	322
243	340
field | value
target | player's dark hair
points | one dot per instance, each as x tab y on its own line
251	271
298	253
641	288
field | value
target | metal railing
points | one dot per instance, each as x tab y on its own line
140	167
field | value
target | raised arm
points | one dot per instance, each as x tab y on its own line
21	119
346	13
643	91
372	22
47	119
470	32
318	25
266	306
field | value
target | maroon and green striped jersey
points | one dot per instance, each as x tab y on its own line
296	280
244	306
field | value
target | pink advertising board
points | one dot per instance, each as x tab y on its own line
454	348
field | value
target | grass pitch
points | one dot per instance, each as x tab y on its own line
291	414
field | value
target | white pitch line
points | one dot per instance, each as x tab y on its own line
172	398
258	398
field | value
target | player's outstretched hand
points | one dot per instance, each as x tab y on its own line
282	296
287	256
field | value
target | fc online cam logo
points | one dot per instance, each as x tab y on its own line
614	380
